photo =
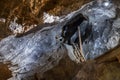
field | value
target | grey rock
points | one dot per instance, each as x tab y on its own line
40	51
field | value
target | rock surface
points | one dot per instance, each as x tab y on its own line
105	67
31	9
34	53
106	70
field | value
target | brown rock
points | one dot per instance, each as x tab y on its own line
105	67
4	72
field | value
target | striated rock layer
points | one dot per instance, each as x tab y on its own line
37	52
33	10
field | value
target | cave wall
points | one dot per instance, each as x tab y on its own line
31	12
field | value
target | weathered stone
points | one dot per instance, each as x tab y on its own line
105	35
105	67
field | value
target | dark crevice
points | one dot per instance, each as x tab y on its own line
71	27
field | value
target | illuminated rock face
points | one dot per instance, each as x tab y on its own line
35	52
40	51
105	32
101	32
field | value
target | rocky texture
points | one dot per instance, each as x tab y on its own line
105	67
65	70
104	35
97	67
41	47
4	72
30	12
36	52
34	12
4	30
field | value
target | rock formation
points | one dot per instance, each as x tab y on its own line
33	54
